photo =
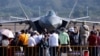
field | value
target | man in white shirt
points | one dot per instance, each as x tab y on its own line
31	41
31	44
53	40
37	37
53	43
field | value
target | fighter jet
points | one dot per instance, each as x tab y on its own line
50	21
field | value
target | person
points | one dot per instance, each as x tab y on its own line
7	37
23	41
53	43
71	33
37	37
84	33
31	45
23	38
14	42
98	39
45	45
76	35
92	40
64	41
31	40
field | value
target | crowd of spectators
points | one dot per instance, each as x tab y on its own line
52	43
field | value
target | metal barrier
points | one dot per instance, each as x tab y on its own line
51	51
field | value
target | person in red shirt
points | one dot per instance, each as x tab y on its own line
92	40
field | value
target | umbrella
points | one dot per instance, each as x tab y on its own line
8	33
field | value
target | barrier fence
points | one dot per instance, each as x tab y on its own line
51	51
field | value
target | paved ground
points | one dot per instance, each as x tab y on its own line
24	26
18	27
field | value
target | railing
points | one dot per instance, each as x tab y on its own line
57	51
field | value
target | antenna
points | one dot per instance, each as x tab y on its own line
87	11
23	9
73	8
72	12
39	11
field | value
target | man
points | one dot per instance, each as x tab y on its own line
93	41
53	43
64	40
84	33
31	40
23	38
31	44
71	33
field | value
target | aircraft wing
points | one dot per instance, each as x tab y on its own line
93	20
80	18
35	19
70	19
83	19
11	19
22	18
17	18
80	21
